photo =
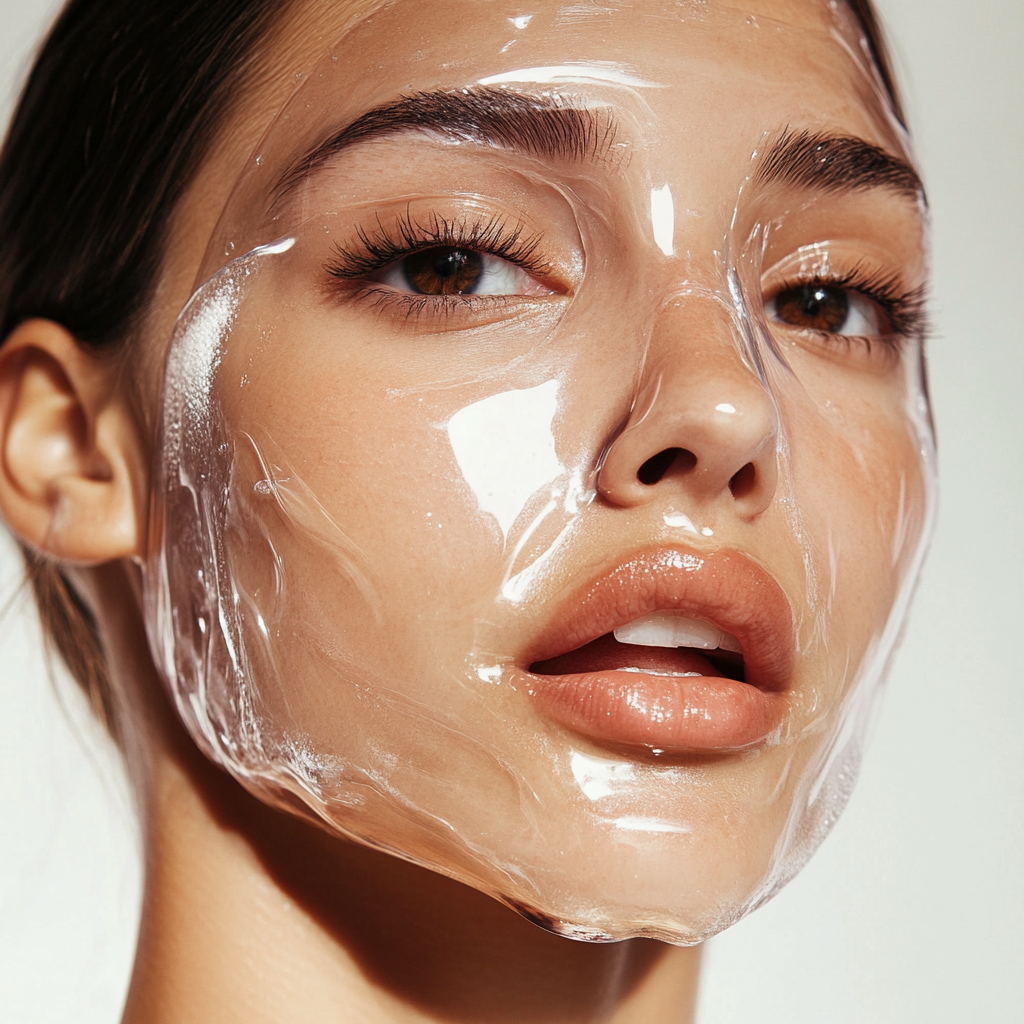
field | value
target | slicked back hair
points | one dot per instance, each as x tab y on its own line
115	119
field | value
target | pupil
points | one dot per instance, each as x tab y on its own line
815	306
813	300
444	270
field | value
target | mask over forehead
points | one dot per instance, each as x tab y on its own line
545	463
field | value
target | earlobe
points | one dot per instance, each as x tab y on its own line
70	458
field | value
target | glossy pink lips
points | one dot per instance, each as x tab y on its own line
584	679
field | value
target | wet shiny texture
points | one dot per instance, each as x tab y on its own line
514	338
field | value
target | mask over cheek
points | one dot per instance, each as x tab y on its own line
546	465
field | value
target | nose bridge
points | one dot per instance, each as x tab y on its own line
704	419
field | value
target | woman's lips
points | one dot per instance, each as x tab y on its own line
671	699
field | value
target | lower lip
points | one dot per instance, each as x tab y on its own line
648	706
688	714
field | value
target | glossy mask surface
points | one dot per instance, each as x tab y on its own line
545	462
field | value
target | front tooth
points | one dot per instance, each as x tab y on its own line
730	643
663	629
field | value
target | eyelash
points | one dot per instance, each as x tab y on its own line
906	310
493	237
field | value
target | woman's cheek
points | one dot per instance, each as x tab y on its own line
859	475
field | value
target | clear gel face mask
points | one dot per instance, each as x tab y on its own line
546	465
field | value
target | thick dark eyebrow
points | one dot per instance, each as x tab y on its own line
533	125
835	163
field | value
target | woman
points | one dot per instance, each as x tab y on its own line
530	499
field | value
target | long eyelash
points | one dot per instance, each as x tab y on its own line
906	310
495	237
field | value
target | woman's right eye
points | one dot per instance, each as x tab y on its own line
452	270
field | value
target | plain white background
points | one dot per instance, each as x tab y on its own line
912	909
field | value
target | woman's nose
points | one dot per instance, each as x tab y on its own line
703	426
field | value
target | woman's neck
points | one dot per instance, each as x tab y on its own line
253	915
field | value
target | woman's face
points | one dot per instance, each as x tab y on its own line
543	504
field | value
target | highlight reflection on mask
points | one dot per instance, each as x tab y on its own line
545	459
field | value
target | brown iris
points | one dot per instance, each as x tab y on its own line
817	307
444	270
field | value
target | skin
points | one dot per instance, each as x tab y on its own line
251	915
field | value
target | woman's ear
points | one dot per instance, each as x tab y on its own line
71	466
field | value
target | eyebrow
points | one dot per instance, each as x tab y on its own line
546	127
835	163
537	126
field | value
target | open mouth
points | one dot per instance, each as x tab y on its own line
664	644
670	651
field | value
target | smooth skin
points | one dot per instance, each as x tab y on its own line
248	914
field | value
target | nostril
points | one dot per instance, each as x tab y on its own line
658	465
742	482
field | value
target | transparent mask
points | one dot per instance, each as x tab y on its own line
546	464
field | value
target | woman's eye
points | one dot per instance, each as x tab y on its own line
830	309
449	270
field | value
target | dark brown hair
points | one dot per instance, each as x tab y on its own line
114	120
868	18
118	112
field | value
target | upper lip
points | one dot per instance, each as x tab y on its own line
723	587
